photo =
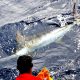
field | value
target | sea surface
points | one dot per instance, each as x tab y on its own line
29	17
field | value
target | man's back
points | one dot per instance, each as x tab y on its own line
27	77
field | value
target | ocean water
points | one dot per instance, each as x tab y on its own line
29	18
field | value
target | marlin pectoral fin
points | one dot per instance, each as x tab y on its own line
20	39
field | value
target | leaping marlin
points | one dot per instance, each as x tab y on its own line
38	42
44	40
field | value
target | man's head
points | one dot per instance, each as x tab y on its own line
24	64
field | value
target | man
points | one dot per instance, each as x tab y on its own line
24	65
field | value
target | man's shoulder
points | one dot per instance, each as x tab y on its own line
27	77
33	78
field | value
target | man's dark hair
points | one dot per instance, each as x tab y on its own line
24	64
